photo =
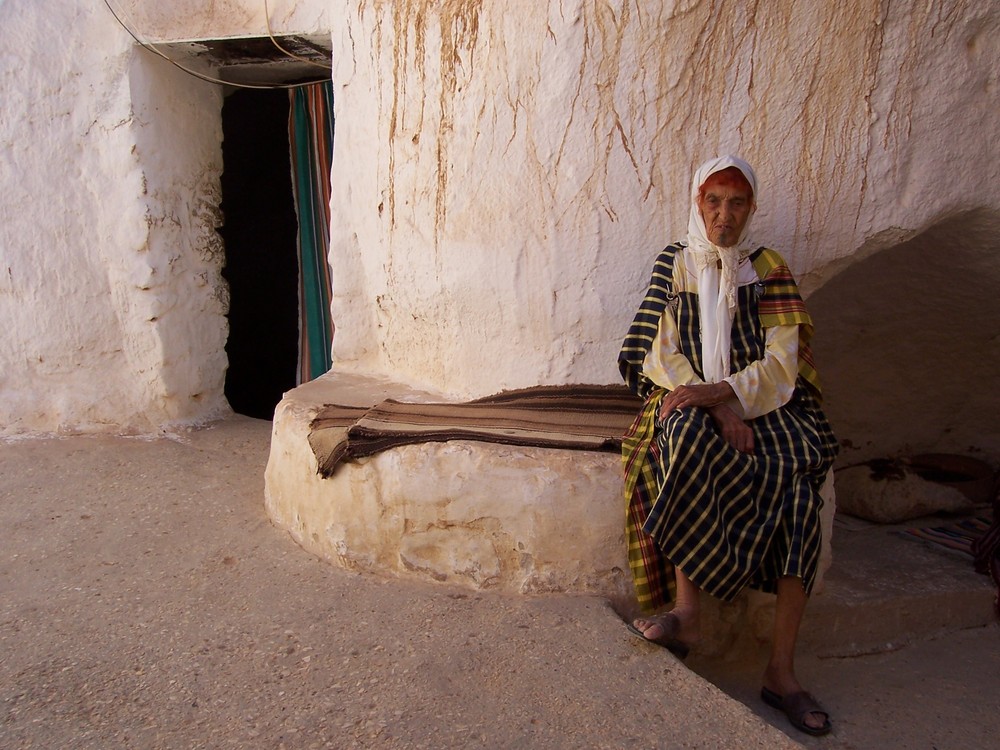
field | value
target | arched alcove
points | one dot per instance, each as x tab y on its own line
908	344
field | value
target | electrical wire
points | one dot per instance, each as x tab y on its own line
267	20
146	45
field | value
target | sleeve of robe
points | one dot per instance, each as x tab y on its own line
760	388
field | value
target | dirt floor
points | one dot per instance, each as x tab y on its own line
147	602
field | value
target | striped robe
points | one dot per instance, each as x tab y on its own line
727	519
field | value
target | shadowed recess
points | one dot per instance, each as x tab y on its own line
908	344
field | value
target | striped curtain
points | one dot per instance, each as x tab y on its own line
310	137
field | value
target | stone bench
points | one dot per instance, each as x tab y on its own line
521	520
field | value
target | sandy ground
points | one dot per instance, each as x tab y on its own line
147	602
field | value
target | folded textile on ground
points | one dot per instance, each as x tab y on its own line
573	417
986	548
958	536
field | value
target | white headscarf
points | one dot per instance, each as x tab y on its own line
717	291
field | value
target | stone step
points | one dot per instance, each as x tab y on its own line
882	592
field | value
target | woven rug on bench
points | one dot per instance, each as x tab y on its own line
573	417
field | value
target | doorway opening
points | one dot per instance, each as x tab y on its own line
277	126
260	234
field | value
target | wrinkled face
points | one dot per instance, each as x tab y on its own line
725	210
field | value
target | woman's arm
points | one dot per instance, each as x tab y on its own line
759	388
769	383
665	365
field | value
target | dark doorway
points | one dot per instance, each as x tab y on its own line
260	234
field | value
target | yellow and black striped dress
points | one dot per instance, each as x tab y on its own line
727	519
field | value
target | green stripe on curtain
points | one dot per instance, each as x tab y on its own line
310	137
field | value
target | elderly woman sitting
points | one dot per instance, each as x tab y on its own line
725	461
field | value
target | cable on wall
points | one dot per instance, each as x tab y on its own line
210	79
270	34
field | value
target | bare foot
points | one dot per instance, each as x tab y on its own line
672	627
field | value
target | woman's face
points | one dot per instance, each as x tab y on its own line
725	210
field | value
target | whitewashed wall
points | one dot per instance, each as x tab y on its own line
504	172
103	250
499	199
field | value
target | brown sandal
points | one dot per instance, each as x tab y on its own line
668	640
796	707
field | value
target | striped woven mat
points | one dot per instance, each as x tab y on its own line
956	536
573	417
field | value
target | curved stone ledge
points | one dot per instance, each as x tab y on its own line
515	519
486	516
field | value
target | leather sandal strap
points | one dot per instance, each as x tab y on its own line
802	703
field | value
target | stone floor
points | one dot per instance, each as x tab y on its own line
147	602
903	646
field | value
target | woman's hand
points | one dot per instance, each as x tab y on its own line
712	396
734	430
703	394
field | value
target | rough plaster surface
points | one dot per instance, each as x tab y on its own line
110	288
518	202
504	173
217	19
485	516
